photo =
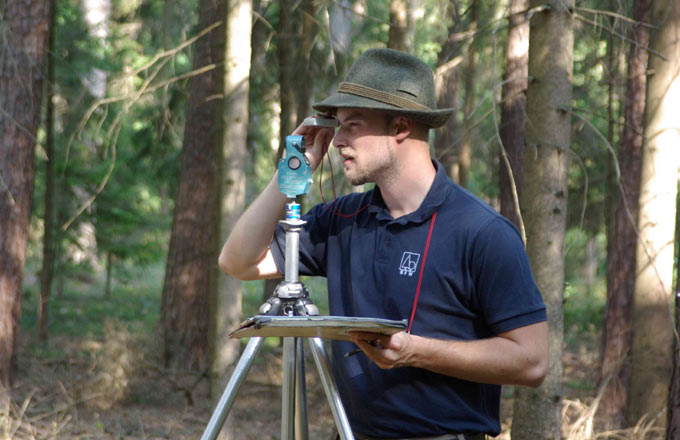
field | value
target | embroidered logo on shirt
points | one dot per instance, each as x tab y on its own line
409	263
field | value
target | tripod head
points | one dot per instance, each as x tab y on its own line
291	297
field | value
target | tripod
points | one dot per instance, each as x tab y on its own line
290	298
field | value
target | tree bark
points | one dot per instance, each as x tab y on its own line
651	344
309	29
621	258
47	271
446	81
537	412
469	100
190	272
287	52
226	310
673	419
399	25
513	109
22	66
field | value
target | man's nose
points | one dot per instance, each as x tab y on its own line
338	140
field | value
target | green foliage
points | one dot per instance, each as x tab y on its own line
82	310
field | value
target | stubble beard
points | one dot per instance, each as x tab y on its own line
375	170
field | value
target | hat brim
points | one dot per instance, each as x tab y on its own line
431	118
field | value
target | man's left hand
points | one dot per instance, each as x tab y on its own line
386	351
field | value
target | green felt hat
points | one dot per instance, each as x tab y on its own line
392	81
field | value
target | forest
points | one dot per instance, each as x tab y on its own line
135	133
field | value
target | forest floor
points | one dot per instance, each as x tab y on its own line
100	377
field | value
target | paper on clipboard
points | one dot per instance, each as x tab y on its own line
327	327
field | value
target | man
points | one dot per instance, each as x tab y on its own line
416	247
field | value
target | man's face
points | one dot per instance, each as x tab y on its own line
363	142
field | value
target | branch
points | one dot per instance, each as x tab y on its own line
615	15
622	37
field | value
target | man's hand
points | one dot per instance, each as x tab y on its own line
386	351
515	357
317	140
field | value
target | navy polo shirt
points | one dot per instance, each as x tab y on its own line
476	283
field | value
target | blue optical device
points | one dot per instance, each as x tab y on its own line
295	171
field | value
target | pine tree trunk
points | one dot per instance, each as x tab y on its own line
513	109
190	273
309	32
469	103
652	327
47	271
399	24
537	412
446	80
22	64
673	410
287	52
226	312
620	265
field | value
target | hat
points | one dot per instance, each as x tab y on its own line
389	80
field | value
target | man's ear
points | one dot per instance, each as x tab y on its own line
402	127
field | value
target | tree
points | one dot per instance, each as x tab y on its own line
22	65
446	81
544	199
400	26
226	313
47	271
287	51
192	255
512	127
469	73
620	266
673	419
651	344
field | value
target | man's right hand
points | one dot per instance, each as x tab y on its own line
317	141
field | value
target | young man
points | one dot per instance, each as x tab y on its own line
416	247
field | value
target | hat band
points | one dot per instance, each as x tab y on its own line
379	95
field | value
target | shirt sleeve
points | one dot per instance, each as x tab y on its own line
505	288
312	243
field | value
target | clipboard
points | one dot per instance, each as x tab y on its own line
326	327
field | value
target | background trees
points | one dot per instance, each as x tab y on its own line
141	162
22	63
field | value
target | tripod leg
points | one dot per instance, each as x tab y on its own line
229	395
301	425
288	390
331	389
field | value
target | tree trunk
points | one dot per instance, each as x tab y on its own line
544	201
22	66
47	271
399	26
621	261
513	109
446	81
226	310
673	419
651	344
469	100
308	37
190	273
287	52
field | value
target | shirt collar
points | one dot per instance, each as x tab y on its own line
435	197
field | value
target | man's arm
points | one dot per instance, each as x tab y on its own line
516	357
245	254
